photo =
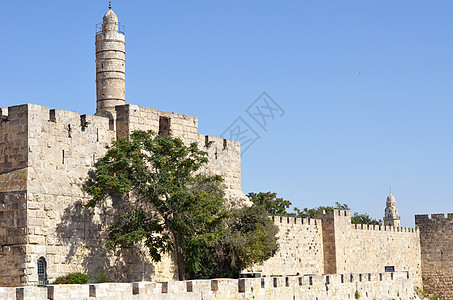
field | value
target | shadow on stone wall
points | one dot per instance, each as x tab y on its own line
83	231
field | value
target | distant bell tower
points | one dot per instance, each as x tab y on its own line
391	217
110	65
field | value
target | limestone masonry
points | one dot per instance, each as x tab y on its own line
45	230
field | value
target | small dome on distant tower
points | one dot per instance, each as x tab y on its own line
391	217
110	17
390	198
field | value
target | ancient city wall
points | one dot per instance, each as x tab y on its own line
301	250
353	248
349	286
437	253
13	196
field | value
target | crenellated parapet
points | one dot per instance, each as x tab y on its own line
295	220
397	285
384	228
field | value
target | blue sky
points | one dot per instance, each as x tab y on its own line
366	86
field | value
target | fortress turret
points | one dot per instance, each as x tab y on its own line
110	65
391	217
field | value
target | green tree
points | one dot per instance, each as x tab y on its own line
249	239
364	219
312	212
171	211
270	202
170	208
357	218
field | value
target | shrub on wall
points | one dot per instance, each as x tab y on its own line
101	277
72	278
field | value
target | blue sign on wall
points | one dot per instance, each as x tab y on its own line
389	268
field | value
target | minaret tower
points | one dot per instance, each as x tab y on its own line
391	217
110	65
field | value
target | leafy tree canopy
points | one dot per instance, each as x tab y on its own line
173	208
270	202
278	206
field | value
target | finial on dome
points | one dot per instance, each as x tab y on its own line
110	4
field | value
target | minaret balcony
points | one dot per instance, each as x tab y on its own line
121	28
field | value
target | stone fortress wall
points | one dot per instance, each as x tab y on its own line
356	248
301	248
332	245
436	236
53	152
46	156
13	195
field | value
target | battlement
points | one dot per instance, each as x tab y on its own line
442	216
384	228
209	141
35	113
334	212
295	220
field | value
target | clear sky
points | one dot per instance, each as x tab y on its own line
365	86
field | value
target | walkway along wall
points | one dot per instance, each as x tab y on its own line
380	286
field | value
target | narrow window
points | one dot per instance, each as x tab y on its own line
262	283
327	280
164	126
62	158
275	282
342	278
310	280
286	281
42	272
360	277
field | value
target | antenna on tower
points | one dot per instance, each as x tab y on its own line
390	189
110	4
